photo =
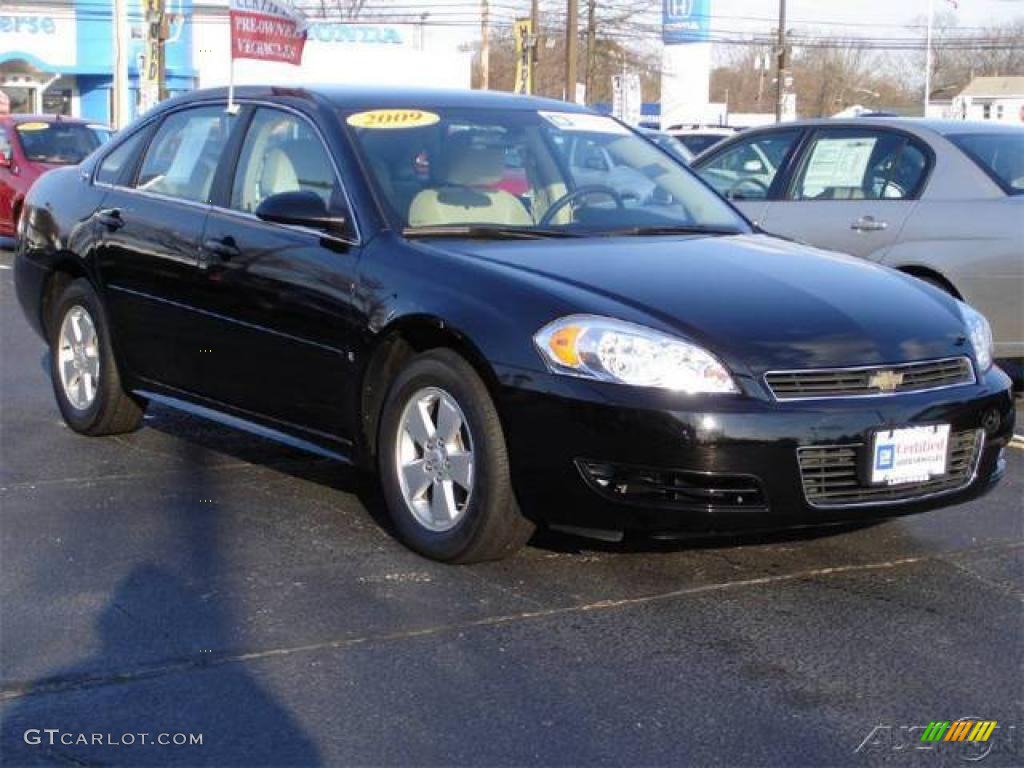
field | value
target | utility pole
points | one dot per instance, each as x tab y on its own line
782	66
591	52
535	42
485	44
928	58
152	78
571	28
119	112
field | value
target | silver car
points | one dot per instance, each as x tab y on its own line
941	200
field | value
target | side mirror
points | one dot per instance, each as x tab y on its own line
5	159
301	208
753	166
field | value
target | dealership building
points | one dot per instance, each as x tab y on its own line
59	58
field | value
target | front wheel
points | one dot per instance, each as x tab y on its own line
444	464
86	381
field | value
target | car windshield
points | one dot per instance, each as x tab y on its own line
535	173
670	145
63	143
1001	155
698	142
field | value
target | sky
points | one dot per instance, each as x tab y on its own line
898	13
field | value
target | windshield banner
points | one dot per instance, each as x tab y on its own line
268	30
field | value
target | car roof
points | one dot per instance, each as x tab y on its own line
378	97
18	119
917	125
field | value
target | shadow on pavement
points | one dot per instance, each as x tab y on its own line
175	612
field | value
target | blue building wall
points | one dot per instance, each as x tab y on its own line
93	66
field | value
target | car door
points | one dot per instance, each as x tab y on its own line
151	223
279	298
749	170
6	184
852	191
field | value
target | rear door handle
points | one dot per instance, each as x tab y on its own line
869	224
110	218
223	249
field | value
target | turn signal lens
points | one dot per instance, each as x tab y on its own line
562	345
613	350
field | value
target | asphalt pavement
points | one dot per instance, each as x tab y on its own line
186	580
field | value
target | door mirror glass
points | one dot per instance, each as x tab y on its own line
753	166
300	208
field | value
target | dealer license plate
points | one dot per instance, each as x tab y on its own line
911	455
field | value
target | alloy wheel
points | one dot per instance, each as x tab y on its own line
78	357
434	457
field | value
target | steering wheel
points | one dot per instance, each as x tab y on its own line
731	192
584	191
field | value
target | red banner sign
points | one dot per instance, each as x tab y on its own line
269	30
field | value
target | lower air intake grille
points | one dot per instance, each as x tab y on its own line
831	479
672	488
881	380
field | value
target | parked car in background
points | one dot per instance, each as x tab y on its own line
30	145
669	143
941	200
700	138
501	360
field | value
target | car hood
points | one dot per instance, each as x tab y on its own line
758	302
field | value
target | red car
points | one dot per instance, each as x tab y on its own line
30	145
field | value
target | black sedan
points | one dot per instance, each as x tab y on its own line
363	274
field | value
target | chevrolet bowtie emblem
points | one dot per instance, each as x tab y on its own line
886	381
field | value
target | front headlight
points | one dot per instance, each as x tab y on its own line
980	334
613	350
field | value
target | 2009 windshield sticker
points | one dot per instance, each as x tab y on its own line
390	119
33	126
582	121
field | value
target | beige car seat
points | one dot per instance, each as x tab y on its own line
466	196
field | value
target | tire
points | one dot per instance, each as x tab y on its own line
110	410
486	523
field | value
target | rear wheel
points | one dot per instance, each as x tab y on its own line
85	378
444	466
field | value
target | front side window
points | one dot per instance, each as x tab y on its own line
282	153
1000	155
57	142
747	169
182	158
860	165
533	170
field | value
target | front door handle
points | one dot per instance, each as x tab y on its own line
869	224
110	218
218	249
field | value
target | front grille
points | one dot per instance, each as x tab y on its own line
877	380
672	488
831	477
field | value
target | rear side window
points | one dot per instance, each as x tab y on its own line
182	158
115	165
860	165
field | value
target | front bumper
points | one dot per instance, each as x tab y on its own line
719	448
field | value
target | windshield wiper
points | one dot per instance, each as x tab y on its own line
485	232
670	229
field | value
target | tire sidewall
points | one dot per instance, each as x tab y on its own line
432	371
81	293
